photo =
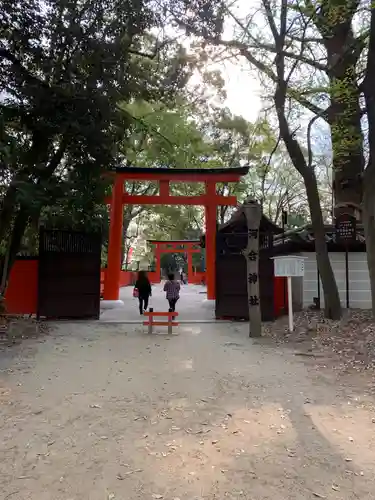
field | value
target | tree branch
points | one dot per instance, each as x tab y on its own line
27	76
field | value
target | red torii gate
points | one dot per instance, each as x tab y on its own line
209	199
176	246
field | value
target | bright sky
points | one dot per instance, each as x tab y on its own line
242	88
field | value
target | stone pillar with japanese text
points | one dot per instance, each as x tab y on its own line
253	213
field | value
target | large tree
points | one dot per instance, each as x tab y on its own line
369	175
65	66
262	38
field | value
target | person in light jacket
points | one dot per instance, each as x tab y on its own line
172	291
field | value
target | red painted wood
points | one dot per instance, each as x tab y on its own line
190	264
280	296
164	188
21	296
145	199
179	250
211	218
163	246
197	278
210	200
112	276
175	242
161	323
154	313
154	277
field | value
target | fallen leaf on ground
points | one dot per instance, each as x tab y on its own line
123	475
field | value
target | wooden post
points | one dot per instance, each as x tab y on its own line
150	320
253	213
158	263
211	241
113	273
290	305
347	275
170	319
190	266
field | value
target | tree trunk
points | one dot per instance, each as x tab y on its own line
332	306
344	118
253	215
369	175
344	113
18	231
9	205
368	215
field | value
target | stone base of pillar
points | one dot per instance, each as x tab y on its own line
111	304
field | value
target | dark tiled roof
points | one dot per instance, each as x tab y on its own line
238	222
178	171
302	239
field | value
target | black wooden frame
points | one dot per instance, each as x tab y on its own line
231	276
69	274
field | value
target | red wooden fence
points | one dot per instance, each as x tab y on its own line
22	292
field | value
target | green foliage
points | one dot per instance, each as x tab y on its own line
66	67
231	141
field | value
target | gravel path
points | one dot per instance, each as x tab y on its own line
99	412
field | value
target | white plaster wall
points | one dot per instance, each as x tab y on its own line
359	282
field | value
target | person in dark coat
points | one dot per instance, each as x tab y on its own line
143	286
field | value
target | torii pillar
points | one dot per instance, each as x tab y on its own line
113	271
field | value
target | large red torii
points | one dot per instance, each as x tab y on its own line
209	199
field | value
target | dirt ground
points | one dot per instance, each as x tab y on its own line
106	412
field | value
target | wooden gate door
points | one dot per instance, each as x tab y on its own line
69	275
231	278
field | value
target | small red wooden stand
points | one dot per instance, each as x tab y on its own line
209	199
169	323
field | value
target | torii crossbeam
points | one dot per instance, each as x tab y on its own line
210	199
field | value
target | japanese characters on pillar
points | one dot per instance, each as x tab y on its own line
253	213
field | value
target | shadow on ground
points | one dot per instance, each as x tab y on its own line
106	411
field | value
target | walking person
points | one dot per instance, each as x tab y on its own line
143	286
172	289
